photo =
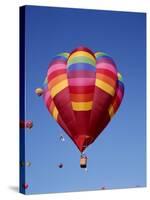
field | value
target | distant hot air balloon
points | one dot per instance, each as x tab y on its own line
62	138
25	164
26	124
60	165
25	185
83	91
39	91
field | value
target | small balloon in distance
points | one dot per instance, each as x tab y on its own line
25	185
60	165
62	139
39	91
26	124
29	124
27	164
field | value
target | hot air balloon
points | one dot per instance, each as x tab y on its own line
25	185
39	91
25	164
60	165
83	91
26	124
62	139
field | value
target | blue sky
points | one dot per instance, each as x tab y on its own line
117	159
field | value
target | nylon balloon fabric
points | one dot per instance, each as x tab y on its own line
83	90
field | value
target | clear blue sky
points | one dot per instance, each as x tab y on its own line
117	159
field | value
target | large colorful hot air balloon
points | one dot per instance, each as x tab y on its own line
83	90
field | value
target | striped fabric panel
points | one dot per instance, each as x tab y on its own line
60	57
81	66
106	75
81	81
103	56
81	97
81	76
107	66
55	67
105	87
53	110
55	113
81	59
82	49
58	88
83	54
116	102
57	76
111	111
117	98
99	117
47	98
82	106
106	61
50	104
82	90
57	80
120	93
106	79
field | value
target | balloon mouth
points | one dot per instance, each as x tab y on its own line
83	141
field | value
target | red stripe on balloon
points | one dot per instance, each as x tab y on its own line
56	73
81	89
81	97
81	73
108	73
105	60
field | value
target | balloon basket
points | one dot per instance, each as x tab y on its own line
83	162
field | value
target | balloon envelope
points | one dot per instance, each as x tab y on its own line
82	92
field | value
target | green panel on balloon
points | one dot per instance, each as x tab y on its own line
82	100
